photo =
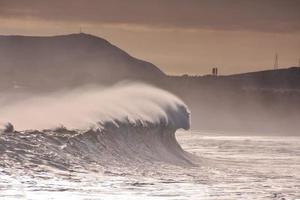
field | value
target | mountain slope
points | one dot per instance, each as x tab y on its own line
67	60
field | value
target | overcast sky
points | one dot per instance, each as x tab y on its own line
179	36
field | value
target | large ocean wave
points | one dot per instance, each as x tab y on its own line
127	124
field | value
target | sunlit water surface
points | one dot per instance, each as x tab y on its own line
229	168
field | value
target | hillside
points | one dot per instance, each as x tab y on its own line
260	102
76	59
277	79
67	60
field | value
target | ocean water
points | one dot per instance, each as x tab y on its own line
225	167
123	142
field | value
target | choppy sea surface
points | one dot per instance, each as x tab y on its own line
228	167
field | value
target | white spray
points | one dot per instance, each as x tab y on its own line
88	107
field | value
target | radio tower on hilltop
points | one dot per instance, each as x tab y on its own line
276	61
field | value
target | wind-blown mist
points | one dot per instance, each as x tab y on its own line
91	107
122	124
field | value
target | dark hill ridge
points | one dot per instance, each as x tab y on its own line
285	78
278	79
75	59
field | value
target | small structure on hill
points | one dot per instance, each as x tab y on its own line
276	63
215	71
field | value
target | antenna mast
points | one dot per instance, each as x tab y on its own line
276	61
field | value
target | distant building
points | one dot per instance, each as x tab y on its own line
215	71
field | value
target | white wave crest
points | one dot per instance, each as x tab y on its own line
91	107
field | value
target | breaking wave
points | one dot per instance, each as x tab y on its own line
127	124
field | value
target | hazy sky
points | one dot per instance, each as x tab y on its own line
179	36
